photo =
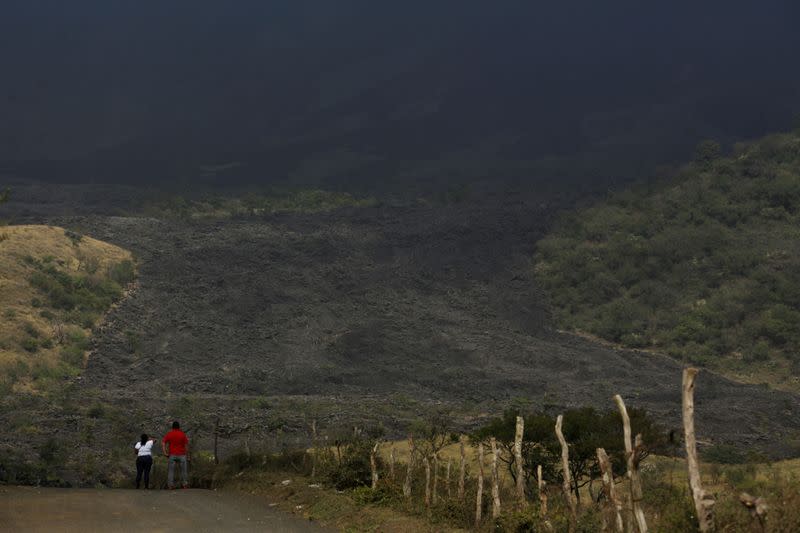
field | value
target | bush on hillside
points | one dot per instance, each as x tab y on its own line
705	267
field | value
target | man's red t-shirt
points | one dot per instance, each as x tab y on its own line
177	441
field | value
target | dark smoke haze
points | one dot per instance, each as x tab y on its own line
372	92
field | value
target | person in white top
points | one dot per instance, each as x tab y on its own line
144	460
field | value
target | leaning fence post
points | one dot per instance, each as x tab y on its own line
614	504
479	497
703	501
573	511
518	458
631	455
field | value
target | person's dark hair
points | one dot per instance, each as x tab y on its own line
144	439
176	425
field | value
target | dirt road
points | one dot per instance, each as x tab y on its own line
31	509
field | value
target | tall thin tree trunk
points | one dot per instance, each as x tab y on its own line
462	469
703	501
479	498
495	481
631	455
567	486
520	430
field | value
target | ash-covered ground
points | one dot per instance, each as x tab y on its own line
372	315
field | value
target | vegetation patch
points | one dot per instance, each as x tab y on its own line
55	287
705	267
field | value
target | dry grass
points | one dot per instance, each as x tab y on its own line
19	316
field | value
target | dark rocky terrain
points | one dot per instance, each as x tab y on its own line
371	315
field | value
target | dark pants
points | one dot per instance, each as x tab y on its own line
143	465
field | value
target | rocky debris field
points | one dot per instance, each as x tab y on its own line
355	315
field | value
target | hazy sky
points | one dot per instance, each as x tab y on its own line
205	82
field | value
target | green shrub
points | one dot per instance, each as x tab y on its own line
350	468
724	454
122	273
31	330
367	496
72	355
29	344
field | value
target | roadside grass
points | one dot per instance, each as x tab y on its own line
54	288
285	482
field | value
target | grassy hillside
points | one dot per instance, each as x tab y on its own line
54	287
705	268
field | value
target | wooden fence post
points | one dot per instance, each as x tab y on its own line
631	455
435	478
447	479
409	472
462	469
518	458
216	440
479	498
314	450
427	483
495	481
703	501
373	465
542	494
391	462
567	486
542	498
614	506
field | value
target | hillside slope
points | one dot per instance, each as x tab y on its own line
705	268
366	316
54	286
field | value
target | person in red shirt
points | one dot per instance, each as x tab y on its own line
175	445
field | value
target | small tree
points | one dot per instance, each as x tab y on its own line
706	152
432	434
585	429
